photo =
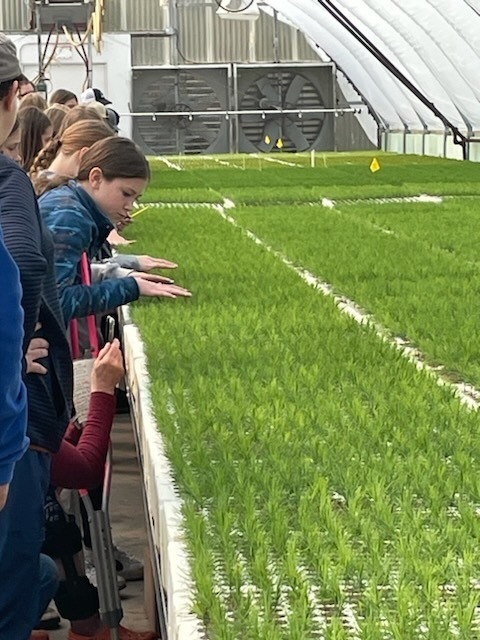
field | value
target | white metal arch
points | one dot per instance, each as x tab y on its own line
420	24
387	97
435	43
389	36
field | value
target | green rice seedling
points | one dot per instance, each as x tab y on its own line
336	630
409	287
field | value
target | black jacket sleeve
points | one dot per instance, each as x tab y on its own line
20	222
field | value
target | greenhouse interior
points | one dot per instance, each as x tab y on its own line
300	406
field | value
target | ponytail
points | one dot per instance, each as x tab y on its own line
45	182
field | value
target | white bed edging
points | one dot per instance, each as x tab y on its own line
164	506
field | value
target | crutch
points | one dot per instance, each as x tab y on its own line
111	611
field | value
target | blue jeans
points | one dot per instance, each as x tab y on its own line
22	524
48	583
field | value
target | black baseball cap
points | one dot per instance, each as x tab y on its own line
94	95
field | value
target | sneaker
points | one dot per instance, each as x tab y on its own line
50	619
40	635
123	634
128	566
91	574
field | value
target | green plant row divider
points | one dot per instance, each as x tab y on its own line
330	489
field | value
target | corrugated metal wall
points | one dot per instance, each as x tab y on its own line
14	16
203	38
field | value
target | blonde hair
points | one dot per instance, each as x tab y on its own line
57	113
79	135
78	113
33	99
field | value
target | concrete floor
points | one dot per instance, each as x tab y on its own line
128	522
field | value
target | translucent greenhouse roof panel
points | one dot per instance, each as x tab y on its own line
435	44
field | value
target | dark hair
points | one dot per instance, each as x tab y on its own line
80	112
117	158
61	96
23	81
6	86
34	123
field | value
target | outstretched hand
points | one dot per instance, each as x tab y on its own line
147	263
116	239
108	369
151	277
159	290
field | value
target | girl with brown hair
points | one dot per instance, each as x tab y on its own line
113	173
63	96
60	160
36	132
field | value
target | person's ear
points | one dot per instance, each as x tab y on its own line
95	177
11	100
82	152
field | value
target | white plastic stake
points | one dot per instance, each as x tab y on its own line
312	158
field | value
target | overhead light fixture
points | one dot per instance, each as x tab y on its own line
238	9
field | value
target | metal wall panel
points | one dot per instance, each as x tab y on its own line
203	37
350	136
149	51
14	16
225	40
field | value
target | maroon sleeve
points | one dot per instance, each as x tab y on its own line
82	467
72	434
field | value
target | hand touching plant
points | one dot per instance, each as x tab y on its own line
147	263
159	290
151	277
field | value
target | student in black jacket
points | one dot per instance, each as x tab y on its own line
49	396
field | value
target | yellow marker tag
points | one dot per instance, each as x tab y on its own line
279	143
375	165
139	211
267	140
